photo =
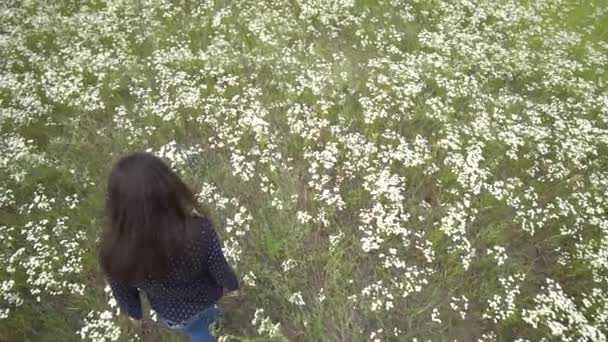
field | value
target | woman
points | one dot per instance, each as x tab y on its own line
153	243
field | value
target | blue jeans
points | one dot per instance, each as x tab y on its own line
197	327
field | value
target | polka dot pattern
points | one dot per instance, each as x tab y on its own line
195	282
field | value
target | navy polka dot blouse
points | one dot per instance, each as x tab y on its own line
193	284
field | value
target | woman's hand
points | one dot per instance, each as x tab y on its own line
139	327
136	324
228	293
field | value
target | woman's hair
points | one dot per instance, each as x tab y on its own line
148	209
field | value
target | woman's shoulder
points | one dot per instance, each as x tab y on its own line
201	220
201	226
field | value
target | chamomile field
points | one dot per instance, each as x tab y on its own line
379	170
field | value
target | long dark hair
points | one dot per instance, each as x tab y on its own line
148	209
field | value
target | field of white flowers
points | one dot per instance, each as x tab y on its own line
379	170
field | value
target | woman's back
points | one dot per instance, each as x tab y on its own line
195	280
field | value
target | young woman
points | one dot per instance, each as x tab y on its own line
155	244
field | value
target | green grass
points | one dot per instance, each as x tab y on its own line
72	136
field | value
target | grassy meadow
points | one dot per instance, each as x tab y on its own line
379	170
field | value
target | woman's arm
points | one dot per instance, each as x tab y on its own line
221	272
